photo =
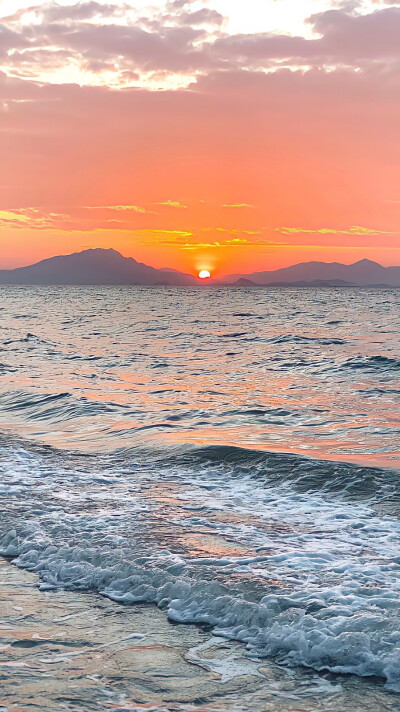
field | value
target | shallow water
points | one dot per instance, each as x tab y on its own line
228	455
66	650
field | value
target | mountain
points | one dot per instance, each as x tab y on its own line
242	282
109	267
95	266
362	273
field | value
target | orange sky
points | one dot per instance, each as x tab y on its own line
179	141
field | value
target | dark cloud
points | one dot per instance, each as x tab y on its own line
344	38
81	11
184	41
376	35
10	40
161	46
201	17
172	49
179	4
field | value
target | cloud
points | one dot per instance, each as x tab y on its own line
363	36
238	205
177	238
10	40
179	4
354	230
33	218
100	40
303	128
231	134
189	241
118	208
108	34
204	16
87	218
170	50
344	37
173	204
52	12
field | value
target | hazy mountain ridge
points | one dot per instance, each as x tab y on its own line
108	267
94	266
361	273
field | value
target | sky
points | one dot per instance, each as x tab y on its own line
203	134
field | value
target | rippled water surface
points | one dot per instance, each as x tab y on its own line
229	455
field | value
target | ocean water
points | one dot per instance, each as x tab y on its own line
230	456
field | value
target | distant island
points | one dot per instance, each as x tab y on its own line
108	267
363	273
95	267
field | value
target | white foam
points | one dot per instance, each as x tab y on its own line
329	569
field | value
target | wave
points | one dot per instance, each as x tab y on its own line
7	368
298	339
379	486
309	577
373	363
341	631
57	407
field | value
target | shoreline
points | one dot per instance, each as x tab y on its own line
78	651
69	650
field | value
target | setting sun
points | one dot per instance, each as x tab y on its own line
204	274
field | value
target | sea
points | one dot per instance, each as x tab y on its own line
199	499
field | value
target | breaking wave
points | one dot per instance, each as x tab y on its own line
293	568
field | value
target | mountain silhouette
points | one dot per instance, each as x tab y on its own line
96	266
362	273
108	267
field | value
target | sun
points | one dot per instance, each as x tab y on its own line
204	274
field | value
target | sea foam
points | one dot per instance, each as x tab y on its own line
317	583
